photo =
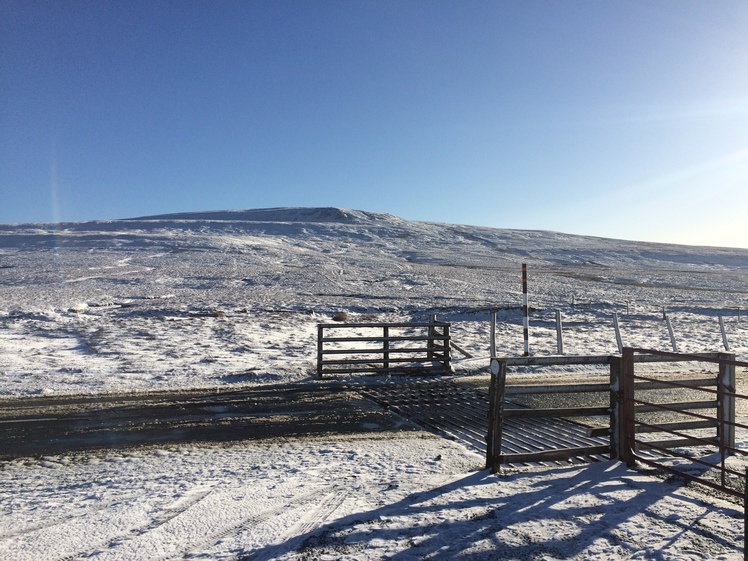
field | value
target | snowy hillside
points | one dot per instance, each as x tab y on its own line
233	297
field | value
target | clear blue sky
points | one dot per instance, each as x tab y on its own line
620	119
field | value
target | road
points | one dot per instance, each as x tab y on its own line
34	426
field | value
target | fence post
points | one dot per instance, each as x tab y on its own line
615	407
320	334
386	347
493	333
495	414
447	351
724	334
627	424
559	334
525	310
432	335
672	334
617	327
726	405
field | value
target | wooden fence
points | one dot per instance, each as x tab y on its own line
383	348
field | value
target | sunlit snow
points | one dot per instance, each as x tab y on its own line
232	299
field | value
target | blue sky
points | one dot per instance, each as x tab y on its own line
616	119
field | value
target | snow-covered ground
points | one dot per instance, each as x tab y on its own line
231	299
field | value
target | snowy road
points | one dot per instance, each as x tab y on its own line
39	426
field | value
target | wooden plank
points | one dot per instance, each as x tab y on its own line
373	339
558	360
696	357
382	325
677	407
376	350
460	349
426	370
552	388
557	412
668	385
553	455
686	425
676	443
378	360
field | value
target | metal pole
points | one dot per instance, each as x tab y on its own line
724	333
672	334
559	333
525	310
493	333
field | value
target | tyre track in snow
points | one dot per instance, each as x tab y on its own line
309	521
62	520
177	508
323	502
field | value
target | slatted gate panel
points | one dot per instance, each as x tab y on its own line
691	433
520	434
383	348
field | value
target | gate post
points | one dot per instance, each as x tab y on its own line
386	348
320	333
431	337
726	405
447	349
616	399
495	414
627	426
493	334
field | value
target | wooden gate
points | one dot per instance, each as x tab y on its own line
383	348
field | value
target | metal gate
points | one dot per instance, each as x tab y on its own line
684	426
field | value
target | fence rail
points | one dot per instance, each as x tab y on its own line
383	348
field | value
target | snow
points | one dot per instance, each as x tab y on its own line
230	299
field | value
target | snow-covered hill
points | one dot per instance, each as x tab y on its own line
227	297
223	299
